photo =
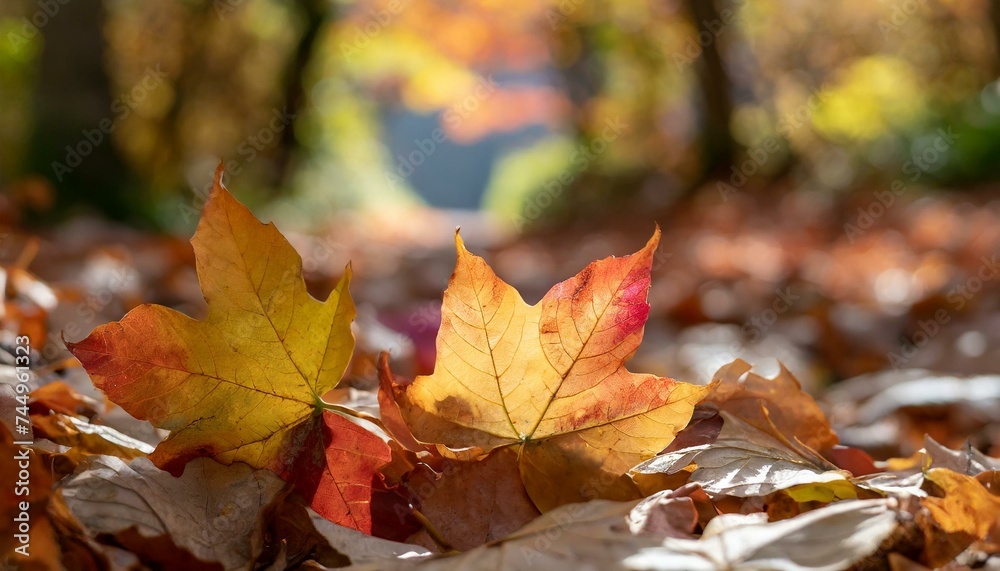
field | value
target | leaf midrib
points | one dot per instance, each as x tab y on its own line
317	398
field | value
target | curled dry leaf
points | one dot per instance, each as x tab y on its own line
59	397
968	460
84	438
827	539
898	484
549	379
978	395
670	513
966	513
886	412
906	476
597	535
592	535
211	511
363	549
792	411
745	461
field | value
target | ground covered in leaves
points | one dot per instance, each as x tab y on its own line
266	405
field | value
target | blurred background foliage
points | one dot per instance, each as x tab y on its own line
320	106
843	155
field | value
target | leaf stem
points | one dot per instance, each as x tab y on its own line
433	532
346	411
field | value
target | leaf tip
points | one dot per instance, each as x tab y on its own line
708	389
217	191
388	379
654	241
219	172
459	243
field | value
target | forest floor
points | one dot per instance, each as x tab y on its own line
888	315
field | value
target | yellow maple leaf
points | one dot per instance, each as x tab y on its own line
549	379
243	384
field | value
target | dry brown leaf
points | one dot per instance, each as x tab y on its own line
473	502
792	411
211	511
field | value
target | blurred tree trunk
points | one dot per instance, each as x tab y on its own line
717	145
995	25
73	99
315	13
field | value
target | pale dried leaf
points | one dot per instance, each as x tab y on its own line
744	461
211	510
830	538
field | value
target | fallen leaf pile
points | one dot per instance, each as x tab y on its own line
530	445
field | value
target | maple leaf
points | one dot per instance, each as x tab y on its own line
266	347
245	383
549	378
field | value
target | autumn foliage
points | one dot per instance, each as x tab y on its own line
530	439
